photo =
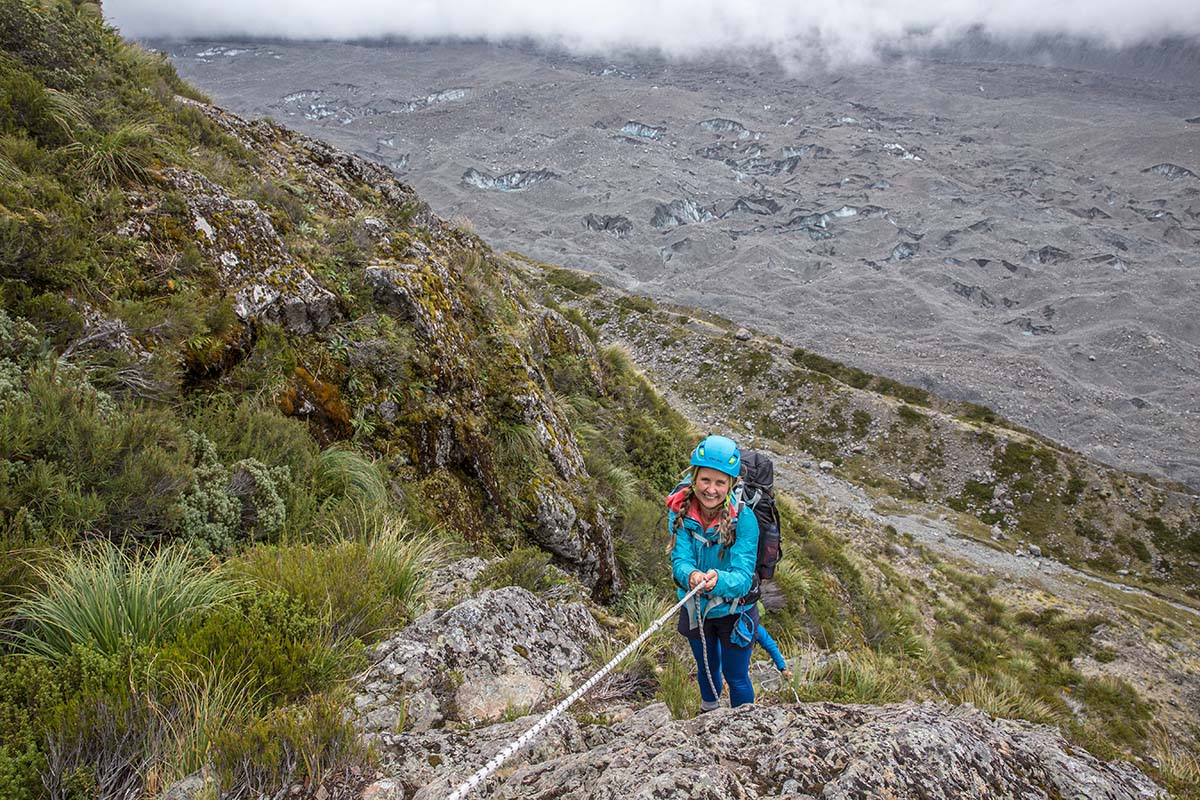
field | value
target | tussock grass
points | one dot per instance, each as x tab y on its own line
406	560
362	586
116	157
198	704
677	687
518	444
103	599
642	605
9	172
1004	696
344	473
1178	768
66	111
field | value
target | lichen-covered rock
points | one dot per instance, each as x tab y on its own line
420	764
555	336
909	750
421	291
556	528
500	650
266	281
316	164
427	294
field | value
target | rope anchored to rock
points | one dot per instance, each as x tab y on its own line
470	783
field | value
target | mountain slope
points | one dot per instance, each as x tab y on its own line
256	403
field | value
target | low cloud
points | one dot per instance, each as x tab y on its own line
844	31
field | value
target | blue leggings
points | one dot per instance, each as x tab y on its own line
731	662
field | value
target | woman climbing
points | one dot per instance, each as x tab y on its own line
712	544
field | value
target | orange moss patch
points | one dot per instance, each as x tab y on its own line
321	403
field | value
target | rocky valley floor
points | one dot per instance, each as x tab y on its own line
1019	236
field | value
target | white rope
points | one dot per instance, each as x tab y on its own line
470	783
704	649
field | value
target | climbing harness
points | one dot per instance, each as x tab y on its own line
470	783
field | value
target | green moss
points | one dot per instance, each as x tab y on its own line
641	305
909	415
574	281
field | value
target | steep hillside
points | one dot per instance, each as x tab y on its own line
906	445
277	444
225	340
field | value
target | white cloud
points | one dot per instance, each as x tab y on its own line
839	30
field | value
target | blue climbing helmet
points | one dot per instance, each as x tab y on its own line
720	453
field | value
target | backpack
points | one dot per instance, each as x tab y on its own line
756	491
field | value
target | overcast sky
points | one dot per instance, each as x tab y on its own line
845	30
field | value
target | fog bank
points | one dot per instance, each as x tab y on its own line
845	32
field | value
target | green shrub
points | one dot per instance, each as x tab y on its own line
305	743
103	749
360	588
909	394
640	541
860	422
100	598
527	567
657	452
642	305
226	505
70	463
39	700
269	641
26	106
578	283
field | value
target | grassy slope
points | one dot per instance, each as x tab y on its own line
299	471
913	623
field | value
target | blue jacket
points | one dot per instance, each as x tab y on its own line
698	549
763	638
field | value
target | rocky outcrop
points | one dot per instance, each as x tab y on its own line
507	651
800	752
828	751
680	212
642	130
556	337
617	226
317	165
501	650
429	295
266	281
1171	172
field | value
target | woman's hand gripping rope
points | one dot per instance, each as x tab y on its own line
470	783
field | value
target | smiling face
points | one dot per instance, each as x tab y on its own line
711	487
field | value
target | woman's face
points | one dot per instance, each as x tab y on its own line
712	487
